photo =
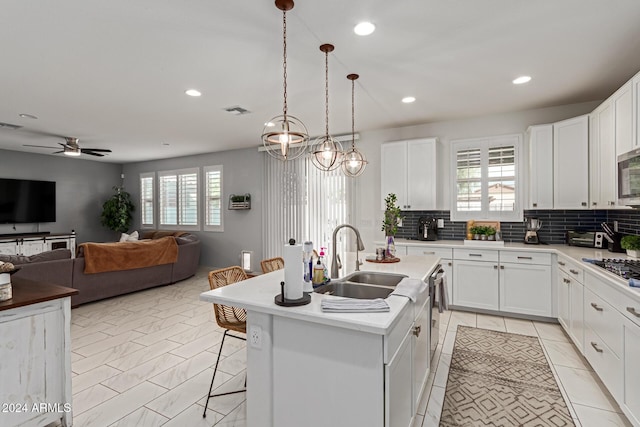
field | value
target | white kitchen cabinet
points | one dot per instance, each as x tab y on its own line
476	284
421	343
602	151
564	302
525	289
622	101
409	170
399	386
540	165
446	261
571	163
631	372
571	300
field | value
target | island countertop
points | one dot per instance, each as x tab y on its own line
257	294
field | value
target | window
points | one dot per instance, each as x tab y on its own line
147	199
178	198
486	181
213	198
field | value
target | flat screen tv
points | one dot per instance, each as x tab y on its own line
25	201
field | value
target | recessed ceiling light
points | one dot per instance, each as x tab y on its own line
27	116
408	99
364	28
192	92
521	80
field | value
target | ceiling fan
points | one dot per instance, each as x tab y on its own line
71	148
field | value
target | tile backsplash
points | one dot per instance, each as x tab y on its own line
555	224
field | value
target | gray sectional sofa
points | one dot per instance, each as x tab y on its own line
59	268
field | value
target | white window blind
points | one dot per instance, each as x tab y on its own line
213	198
304	203
147	199
179	198
486	181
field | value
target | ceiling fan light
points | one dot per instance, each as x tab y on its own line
72	152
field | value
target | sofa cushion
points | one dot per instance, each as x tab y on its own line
43	256
186	238
129	237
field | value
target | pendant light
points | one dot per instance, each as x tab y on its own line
327	152
285	137
353	161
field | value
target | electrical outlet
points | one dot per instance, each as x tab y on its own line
615	226
440	223
255	336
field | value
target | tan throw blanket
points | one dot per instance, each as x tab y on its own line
101	257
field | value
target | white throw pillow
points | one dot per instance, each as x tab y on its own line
129	237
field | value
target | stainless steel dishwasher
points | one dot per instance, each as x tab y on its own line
435	284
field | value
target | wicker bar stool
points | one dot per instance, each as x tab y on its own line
272	264
230	318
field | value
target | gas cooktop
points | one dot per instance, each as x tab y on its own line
625	268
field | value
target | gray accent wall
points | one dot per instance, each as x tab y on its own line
82	186
242	173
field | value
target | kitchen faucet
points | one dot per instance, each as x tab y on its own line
335	259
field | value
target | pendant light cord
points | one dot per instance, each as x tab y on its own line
326	93
284	61
353	114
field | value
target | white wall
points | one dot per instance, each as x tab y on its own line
368	197
82	186
242	173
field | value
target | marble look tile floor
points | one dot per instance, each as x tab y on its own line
146	359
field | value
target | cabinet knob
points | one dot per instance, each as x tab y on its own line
566	280
584	203
449	264
561	263
594	203
595	346
495	267
502	267
535	205
596	307
573	271
416	330
408	206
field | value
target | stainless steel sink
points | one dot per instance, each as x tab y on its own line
353	290
373	278
362	285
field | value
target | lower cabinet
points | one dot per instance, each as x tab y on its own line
399	386
421	343
525	289
564	317
476	284
631	374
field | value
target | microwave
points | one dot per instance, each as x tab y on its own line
629	178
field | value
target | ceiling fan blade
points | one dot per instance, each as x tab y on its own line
58	152
99	150
39	146
92	154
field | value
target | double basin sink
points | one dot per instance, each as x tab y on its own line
362	285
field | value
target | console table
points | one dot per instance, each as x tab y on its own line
35	355
35	243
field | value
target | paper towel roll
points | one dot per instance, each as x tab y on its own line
293	271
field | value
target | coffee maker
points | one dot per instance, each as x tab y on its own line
531	235
427	228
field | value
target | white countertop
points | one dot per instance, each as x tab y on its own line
574	252
257	294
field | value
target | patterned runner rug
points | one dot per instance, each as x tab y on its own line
501	379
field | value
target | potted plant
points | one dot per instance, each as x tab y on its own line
116	211
390	223
491	233
632	245
476	230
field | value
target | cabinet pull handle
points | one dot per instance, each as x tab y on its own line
565	280
561	263
633	311
416	330
502	267
495	267
594	203
595	306
475	254
612	203
584	203
574	271
535	205
596	348
428	253
524	257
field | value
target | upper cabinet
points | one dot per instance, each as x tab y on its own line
602	153
622	102
571	163
540	139
408	169
635	85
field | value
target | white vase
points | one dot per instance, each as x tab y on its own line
633	253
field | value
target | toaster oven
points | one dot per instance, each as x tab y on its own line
587	239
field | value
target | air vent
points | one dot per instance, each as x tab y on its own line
237	110
9	126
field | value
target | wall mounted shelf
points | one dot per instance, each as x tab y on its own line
241	202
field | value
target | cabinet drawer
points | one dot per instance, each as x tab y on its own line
445	253
606	291
475	254
631	309
604	320
573	269
606	364
522	257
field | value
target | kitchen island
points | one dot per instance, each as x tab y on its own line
307	367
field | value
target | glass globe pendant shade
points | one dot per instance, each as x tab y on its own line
353	163
285	137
